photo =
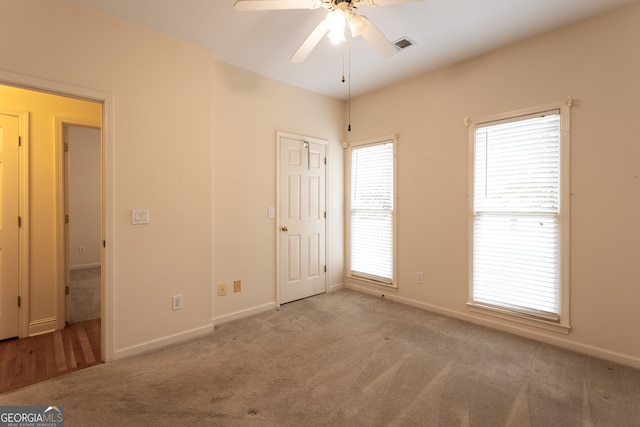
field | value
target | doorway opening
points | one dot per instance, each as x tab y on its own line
34	320
83	206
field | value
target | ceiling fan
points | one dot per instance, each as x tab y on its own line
340	15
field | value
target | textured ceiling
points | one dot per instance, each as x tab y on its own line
445	32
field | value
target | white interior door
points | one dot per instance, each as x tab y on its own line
9	286
301	218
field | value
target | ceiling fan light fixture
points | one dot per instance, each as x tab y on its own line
340	14
336	23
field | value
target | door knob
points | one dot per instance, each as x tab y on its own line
285	228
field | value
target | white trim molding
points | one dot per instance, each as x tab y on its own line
515	329
244	313
163	342
42	326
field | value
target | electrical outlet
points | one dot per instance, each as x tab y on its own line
420	278
177	301
222	290
82	250
237	285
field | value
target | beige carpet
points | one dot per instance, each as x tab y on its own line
84	294
348	359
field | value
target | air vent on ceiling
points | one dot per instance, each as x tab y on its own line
403	43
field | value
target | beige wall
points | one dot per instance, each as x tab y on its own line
194	141
178	116
161	138
248	110
595	62
85	197
43	111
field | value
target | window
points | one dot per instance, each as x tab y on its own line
371	213
520	217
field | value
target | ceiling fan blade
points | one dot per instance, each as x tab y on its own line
374	3
378	41
250	5
307	46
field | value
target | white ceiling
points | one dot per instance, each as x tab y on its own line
445	31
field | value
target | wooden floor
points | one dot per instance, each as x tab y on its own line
30	360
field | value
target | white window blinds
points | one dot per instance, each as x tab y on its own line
372	211
516	208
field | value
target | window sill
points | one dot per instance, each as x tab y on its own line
522	319
361	281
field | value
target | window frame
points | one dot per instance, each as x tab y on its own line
562	324
363	278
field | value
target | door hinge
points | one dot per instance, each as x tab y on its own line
19	222
325	268
104	243
19	141
66	219
19	301
66	147
325	215
66	290
325	160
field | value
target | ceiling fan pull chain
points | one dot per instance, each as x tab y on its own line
349	83
343	66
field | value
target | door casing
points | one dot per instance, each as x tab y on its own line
107	316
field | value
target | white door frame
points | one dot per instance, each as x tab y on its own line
108	177
279	135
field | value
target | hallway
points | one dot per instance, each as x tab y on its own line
30	360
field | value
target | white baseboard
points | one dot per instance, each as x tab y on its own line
243	313
559	341
83	266
42	326
336	287
258	309
162	342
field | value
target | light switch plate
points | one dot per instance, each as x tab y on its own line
140	216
